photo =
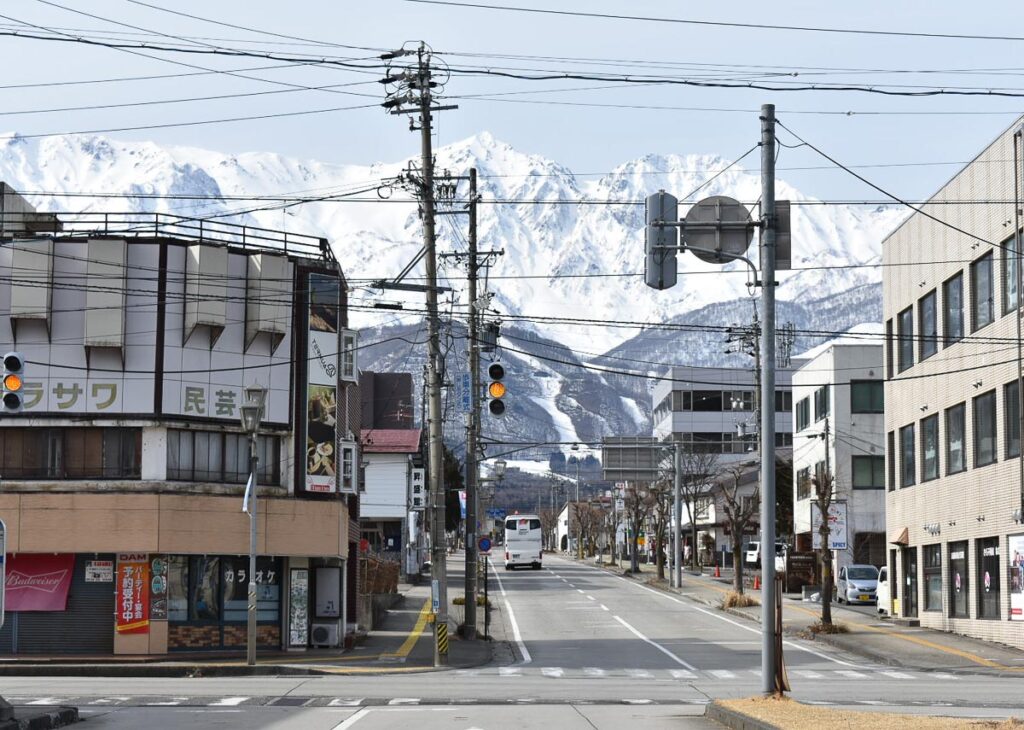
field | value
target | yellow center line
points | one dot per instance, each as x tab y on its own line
417	631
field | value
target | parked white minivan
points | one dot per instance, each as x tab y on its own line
882	594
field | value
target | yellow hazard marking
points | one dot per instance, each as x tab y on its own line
442	638
414	635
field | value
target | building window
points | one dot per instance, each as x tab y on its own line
70	453
930	448
1010	261
350	355
819	476
349	472
932	577
738	400
821	403
955	427
783	439
890	452
907	471
985	429
958	580
868	472
987	551
928	325
953	310
783	401
867	396
213	456
803	413
707	400
803	483
213	589
1011	430
982	309
905	334
888	348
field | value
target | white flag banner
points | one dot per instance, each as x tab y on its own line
245	499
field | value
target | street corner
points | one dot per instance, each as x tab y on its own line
40	718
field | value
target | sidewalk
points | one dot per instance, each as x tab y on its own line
868	636
404	643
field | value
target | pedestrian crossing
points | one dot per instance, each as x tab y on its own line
701	675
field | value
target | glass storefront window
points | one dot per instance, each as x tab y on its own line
958	580
988	577
205	603
177	588
932	577
236	589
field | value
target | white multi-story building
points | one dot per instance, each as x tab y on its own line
837	410
952	396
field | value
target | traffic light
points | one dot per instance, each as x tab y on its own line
14	382
660	267
496	389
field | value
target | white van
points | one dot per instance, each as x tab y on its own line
752	555
523	541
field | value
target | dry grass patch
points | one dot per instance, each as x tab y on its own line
833	628
461	601
788	714
739	600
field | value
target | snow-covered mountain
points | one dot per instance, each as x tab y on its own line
565	237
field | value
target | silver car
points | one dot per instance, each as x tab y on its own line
857	584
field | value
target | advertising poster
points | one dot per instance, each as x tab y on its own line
322	398
132	601
1016	555
837	538
298	607
99	571
158	588
38	582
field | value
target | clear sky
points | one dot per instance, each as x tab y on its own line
882	130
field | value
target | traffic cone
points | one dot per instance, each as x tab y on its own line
718	572
757	582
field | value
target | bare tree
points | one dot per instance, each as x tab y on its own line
823	495
661	510
638	504
740	510
549	525
590	518
697	471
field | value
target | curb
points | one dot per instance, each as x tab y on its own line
736	720
57	717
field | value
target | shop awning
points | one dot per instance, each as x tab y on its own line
902	537
38	582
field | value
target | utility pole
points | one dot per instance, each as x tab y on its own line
473	420
677	517
414	88
771	674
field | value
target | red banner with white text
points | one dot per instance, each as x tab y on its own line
132	593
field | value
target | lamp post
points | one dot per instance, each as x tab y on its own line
252	414
579	524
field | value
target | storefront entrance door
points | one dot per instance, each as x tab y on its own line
909	581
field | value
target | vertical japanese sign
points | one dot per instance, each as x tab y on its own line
1015	551
132	593
321	455
158	587
298	607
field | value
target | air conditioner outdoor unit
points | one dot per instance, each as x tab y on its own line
324	635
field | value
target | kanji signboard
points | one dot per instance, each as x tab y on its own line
132	602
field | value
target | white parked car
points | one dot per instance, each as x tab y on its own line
857	584
752	555
882	594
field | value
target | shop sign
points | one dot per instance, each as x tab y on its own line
322	393
298	607
99	571
132	601
158	588
38	582
837	521
1015	544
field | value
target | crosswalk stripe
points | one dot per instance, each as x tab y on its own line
44	701
168	703
404	701
228	701
897	675
639	674
682	674
510	672
340	702
552	671
108	700
850	674
944	675
594	671
722	674
636	702
806	673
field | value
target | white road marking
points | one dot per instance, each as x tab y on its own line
168	703
872	702
510	672
591	598
806	673
636	702
722	674
682	674
579	590
639	674
594	671
896	675
512	620
655	644
45	701
228	702
943	675
552	671
108	700
339	702
851	674
352	719
605	607
404	701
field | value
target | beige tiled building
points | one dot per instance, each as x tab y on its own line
952	415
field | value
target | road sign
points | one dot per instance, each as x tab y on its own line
3	567
435	596
466	392
484	544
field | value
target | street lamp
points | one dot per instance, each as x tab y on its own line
252	414
499	468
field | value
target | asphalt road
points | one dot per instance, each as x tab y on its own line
591	650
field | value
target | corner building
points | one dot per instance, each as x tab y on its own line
952	406
123	476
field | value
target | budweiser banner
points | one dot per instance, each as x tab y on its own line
38	582
132	593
